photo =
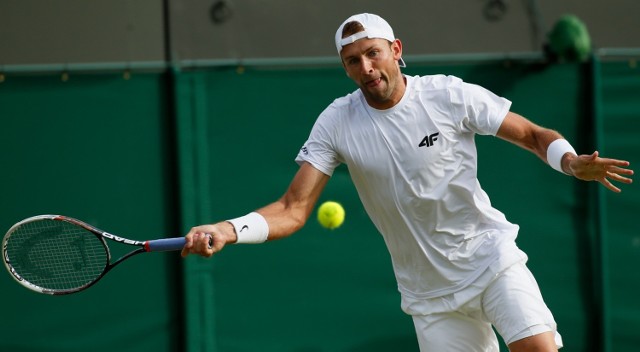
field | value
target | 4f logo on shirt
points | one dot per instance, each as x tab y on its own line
429	140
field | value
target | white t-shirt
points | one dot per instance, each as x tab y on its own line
415	169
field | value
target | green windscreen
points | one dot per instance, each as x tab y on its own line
95	147
152	154
324	290
619	137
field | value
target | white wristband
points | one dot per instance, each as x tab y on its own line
251	228
556	150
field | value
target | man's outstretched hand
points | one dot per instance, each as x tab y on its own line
594	168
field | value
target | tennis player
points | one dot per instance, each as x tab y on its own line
409	144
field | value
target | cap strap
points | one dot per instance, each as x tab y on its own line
352	38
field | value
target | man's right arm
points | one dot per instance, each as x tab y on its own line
284	216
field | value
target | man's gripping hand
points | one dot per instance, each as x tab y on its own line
206	240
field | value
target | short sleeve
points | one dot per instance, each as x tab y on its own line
481	111
319	149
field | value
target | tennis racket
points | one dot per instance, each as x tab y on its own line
58	255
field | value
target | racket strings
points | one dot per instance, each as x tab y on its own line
56	255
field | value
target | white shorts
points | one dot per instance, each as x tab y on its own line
512	303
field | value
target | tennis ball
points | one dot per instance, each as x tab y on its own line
331	215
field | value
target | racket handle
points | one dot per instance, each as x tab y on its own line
165	244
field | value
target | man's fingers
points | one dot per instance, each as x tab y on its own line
620	170
614	163
187	247
616	177
604	170
609	185
198	243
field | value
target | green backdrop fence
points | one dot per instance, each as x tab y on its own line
156	153
617	116
96	147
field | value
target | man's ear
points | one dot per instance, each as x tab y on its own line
396	46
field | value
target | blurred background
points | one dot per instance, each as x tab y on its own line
145	118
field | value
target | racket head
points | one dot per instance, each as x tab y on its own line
54	254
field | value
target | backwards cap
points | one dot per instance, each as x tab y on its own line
374	27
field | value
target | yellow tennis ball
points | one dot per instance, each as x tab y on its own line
331	215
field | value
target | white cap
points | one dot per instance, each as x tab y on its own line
374	27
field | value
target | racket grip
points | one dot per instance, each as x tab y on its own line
165	244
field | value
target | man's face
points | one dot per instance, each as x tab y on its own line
373	65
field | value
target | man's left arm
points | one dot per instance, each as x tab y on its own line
551	147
